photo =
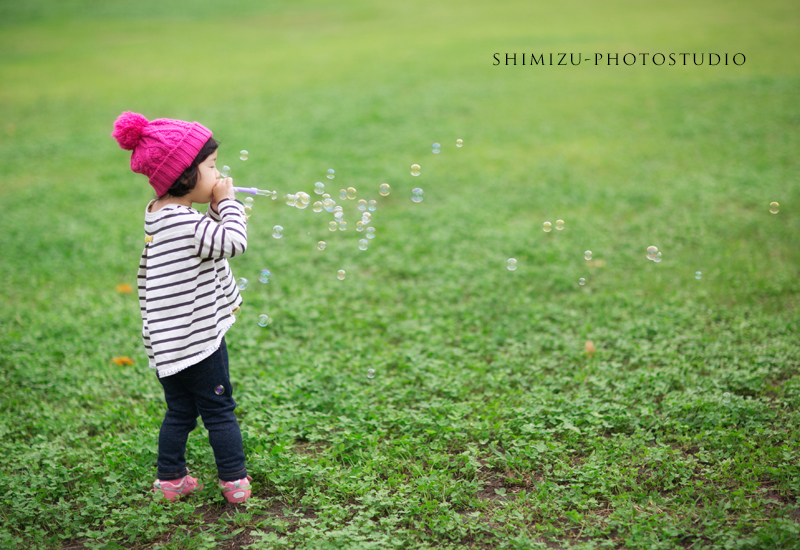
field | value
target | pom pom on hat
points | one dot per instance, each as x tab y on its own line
128	129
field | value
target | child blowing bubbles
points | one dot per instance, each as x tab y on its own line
187	294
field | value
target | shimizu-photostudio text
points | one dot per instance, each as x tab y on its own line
710	59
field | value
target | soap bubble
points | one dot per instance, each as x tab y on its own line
263	320
373	205
243	154
651	252
351	193
236	311
774	207
698	275
321	245
726	398
511	264
338	208
277	231
340	274
385	189
332	226
436	148
416	194
366	217
342	226
274	195
317	207
370	232
291	199
343	194
547	227
559	224
248	201
331	173
587	255
241	282
362	205
338	216
581	281
264	276
459	143
319	188
370	373
225	172
363	244
325	196
657	259
359	226
219	390
302	201
248	210
329	204
415	169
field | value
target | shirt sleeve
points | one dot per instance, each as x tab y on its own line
221	235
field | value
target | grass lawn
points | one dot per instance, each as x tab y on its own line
487	423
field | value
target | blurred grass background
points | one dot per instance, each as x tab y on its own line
684	158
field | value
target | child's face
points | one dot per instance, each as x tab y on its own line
207	176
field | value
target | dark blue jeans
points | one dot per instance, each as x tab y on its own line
204	389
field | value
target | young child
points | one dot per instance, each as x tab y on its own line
187	294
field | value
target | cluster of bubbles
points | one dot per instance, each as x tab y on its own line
547	227
302	200
299	200
653	254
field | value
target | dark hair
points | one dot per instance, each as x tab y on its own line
188	179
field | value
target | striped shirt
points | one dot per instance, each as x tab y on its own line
186	289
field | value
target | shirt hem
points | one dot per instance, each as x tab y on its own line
186	363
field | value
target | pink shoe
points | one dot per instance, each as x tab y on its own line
236	491
174	489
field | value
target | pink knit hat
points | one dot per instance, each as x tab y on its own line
162	149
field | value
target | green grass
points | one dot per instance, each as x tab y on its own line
486	425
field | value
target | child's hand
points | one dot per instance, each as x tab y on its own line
223	189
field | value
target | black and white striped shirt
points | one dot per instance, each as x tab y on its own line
186	289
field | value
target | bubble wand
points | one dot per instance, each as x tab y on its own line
254	191
225	172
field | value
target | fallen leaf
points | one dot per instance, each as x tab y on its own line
122	360
589	347
125	288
